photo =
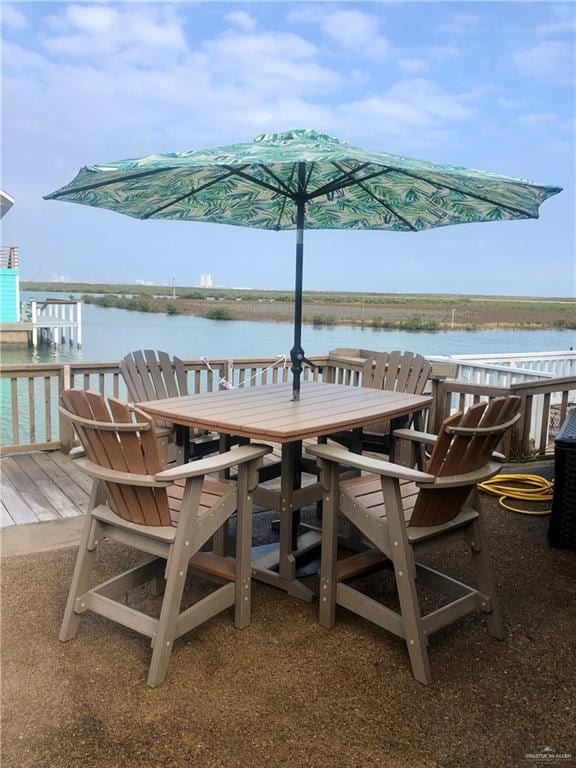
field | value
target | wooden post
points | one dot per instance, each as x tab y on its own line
78	323
34	310
65	428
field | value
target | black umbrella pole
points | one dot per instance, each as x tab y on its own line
297	353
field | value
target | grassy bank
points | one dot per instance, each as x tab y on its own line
419	312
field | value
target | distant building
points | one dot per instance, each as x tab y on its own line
9	273
206	280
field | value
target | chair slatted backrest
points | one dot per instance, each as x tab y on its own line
396	372
151	375
465	444
115	438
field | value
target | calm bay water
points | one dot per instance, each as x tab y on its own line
108	334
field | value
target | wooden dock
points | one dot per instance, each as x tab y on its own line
40	487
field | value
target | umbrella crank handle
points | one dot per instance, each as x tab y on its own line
309	362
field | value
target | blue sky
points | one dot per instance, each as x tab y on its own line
486	85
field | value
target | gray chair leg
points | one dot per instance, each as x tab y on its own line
404	570
164	640
80	578
243	551
485	577
158	585
220	540
327	597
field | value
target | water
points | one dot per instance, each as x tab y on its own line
109	334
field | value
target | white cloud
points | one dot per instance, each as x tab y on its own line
68	109
413	66
268	61
549	58
241	19
12	18
538	118
134	31
562	21
442	52
459	24
356	31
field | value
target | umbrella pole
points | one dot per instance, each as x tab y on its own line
297	353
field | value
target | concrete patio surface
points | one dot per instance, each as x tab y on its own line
286	692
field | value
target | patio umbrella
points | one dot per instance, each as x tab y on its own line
301	180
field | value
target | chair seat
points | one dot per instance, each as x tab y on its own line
212	491
367	491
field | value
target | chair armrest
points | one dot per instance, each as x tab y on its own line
77	453
416	437
355	460
123	478
428	439
217	463
470	478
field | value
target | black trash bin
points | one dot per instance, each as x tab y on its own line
562	530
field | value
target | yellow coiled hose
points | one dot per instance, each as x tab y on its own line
519	487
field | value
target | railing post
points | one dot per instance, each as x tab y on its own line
438	406
78	323
34	311
65	428
434	382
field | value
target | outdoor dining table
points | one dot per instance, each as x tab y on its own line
268	413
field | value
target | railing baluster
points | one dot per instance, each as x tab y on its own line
31	409
48	408
15	411
544	424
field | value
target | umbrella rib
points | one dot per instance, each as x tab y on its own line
188	194
468	194
309	175
258	182
382	203
333	186
97	185
277	227
278	180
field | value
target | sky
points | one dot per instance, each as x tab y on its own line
489	85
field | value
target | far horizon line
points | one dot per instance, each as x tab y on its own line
62	286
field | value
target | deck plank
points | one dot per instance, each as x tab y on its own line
34	500
21	510
71	469
46	484
77	495
5	518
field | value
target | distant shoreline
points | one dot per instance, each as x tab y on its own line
413	312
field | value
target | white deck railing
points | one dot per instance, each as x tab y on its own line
539	365
29	392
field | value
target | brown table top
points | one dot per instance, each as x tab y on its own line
268	412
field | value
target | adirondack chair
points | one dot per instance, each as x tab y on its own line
396	372
405	513
151	375
169	514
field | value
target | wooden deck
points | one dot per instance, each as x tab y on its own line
41	486
44	486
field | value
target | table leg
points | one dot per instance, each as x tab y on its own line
220	538
289	517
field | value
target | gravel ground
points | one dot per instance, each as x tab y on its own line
286	692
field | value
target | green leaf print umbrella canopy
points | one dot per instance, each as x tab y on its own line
300	180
